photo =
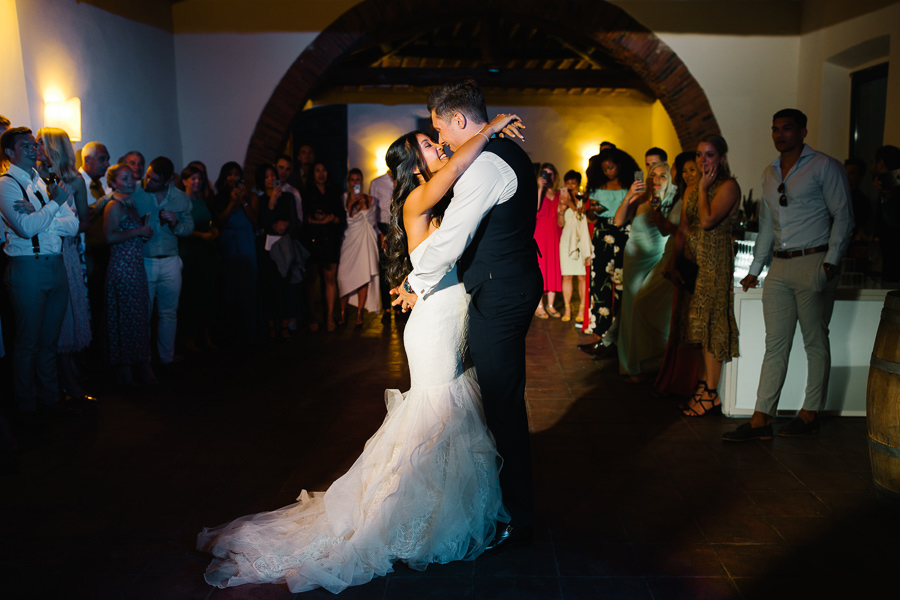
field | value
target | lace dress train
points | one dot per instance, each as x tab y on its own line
425	489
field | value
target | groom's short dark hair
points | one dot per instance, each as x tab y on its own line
463	96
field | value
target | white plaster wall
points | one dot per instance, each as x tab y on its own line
224	82
746	79
824	88
13	99
121	70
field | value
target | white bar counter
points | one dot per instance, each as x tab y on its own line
854	323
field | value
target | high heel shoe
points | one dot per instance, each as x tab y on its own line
708	405
698	393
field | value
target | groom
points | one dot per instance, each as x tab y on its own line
488	229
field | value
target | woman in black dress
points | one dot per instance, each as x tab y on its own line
322	234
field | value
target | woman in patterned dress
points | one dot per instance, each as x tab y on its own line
127	295
609	177
704	238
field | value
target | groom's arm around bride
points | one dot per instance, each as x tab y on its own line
488	229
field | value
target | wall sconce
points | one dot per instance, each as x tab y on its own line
65	114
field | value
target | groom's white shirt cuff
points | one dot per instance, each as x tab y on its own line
487	182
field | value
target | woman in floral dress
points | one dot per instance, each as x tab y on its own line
609	177
127	295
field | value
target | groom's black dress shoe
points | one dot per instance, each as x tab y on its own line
599	351
509	535
592	348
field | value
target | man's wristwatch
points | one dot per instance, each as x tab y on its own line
407	287
830	270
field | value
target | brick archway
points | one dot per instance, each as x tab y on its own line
615	32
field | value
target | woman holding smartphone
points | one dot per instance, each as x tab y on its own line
609	177
547	231
642	336
357	276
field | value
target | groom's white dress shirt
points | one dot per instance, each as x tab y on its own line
489	181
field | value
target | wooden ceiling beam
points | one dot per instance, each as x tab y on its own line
507	78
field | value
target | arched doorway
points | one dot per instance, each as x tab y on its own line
600	26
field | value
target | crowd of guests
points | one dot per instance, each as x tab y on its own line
652	251
101	259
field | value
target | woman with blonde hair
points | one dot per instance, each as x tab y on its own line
57	160
705	243
642	337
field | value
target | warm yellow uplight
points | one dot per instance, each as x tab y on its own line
65	114
588	149
378	164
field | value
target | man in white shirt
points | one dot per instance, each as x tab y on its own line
35	217
805	222
284	168
382	190
489	229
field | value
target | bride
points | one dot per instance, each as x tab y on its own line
425	489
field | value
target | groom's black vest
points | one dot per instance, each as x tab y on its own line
504	244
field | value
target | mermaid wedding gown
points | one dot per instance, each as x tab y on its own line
425	489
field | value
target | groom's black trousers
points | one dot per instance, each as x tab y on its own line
499	316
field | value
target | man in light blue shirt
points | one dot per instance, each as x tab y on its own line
805	224
168	212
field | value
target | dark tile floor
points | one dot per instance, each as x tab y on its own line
635	501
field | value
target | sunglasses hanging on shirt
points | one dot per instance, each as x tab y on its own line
783	200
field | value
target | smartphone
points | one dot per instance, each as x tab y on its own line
638	175
357	188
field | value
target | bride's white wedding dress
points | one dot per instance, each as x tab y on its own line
425	489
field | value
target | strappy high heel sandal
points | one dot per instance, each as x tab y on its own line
697	395
708	405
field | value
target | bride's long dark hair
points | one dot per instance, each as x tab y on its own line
406	162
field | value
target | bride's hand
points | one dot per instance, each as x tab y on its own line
504	124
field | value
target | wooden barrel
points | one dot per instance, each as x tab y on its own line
883	401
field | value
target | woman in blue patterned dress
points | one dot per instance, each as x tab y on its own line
127	295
